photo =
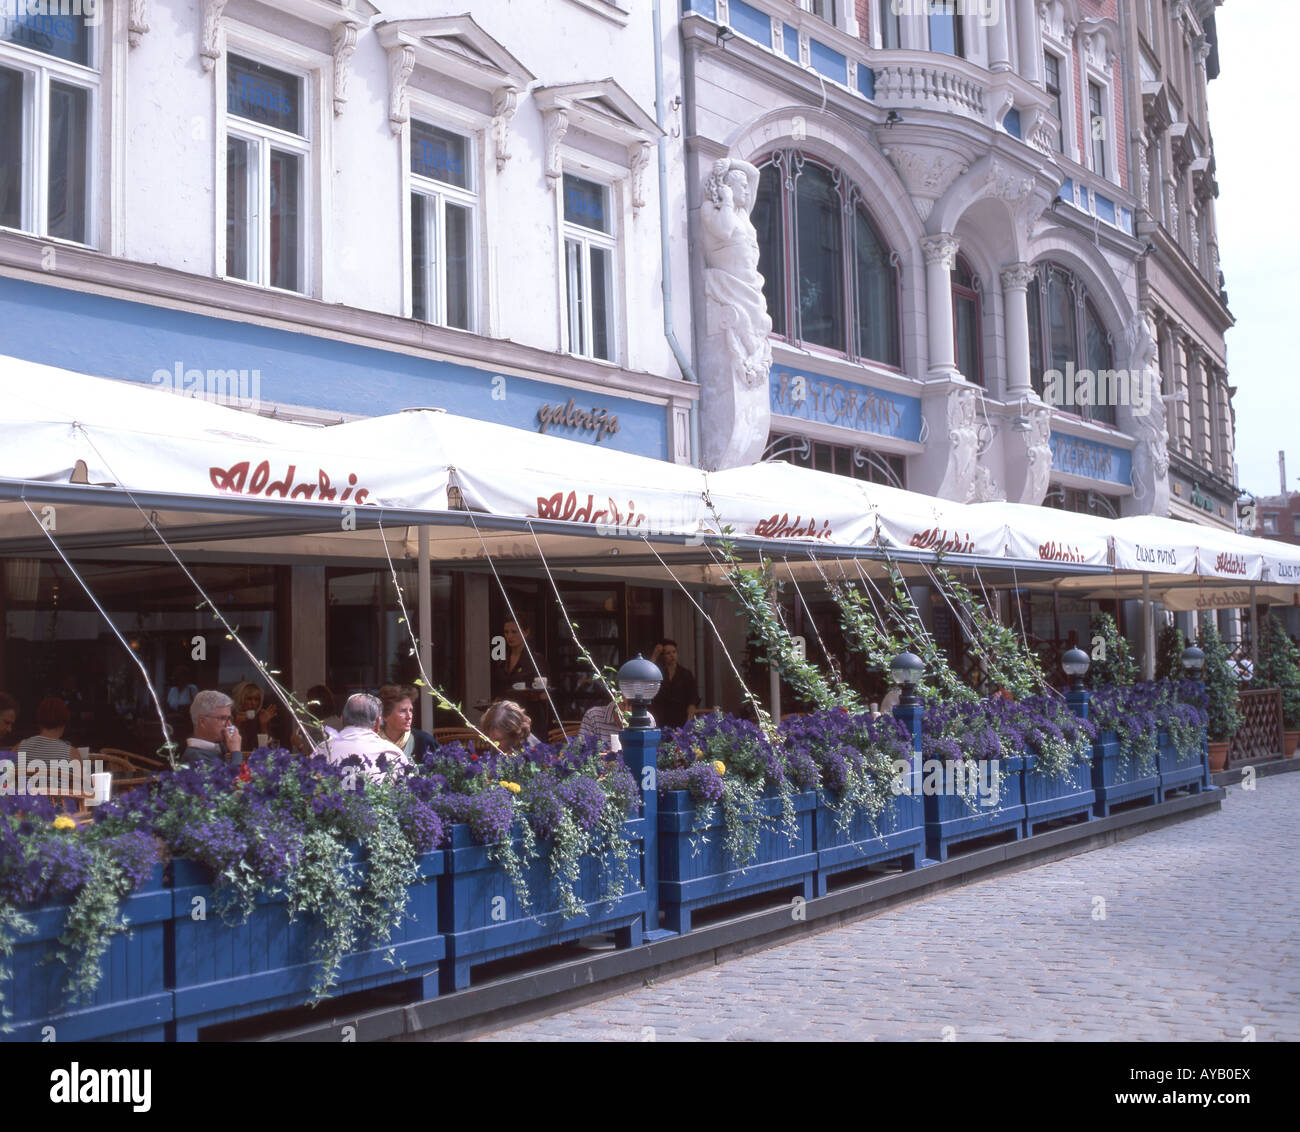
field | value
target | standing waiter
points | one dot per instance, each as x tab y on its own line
678	695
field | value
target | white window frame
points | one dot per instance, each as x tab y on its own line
312	148
586	239
456	120
1062	83
38	71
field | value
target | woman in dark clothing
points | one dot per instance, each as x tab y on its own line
515	677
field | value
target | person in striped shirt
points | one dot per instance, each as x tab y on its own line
52	718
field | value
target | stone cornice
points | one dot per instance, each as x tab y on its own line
91	272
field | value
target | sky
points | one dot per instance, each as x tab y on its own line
1257	156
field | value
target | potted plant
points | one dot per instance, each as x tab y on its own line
1170	646
1221	687
1112	664
1279	667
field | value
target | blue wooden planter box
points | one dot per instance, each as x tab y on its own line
952	819
695	871
1188	769
221	973
131	1003
484	921
1049	797
1117	779
899	832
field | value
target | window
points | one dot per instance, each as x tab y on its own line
829	278
589	267
1097	125
946	29
826	9
839	459
442	226
1067	336
267	149
966	314
890	32
1052	73
1270	524
48	95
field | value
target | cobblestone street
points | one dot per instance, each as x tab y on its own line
1186	934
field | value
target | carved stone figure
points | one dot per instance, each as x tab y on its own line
963	439
1039	457
737	352
1151	455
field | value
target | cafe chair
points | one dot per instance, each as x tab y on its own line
443	735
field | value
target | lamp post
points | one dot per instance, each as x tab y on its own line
1193	663
1075	664
639	681
906	669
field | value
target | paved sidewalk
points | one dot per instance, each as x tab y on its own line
1185	934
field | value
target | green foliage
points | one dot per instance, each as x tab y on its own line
1220	683
1008	663
1279	667
12	925
757	592
1112	660
1169	653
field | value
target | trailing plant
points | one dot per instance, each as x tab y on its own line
1112	659
341	846
1170	646
730	764
45	858
1220	685
1133	713
859	759
570	800
1008	663
13	924
1279	667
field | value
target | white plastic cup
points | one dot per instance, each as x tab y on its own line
263	740
540	683
84	752
102	781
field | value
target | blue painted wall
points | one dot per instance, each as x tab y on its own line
130	341
849	404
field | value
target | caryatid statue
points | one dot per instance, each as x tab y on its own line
737	353
1151	427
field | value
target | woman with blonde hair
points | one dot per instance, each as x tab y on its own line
508	726
251	717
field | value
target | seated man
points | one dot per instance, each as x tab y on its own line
216	738
362	717
604	723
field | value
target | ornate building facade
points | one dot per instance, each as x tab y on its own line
951	220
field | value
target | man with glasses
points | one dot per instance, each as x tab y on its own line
216	738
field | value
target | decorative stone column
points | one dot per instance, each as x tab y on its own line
998	43
1029	40
1016	278
940	258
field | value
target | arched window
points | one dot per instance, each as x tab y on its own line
1066	337
829	278
967	320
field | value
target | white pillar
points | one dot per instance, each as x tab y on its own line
999	46
940	258
1029	40
1015	293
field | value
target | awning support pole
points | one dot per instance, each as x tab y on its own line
1254	629
774	682
424	617
1148	631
